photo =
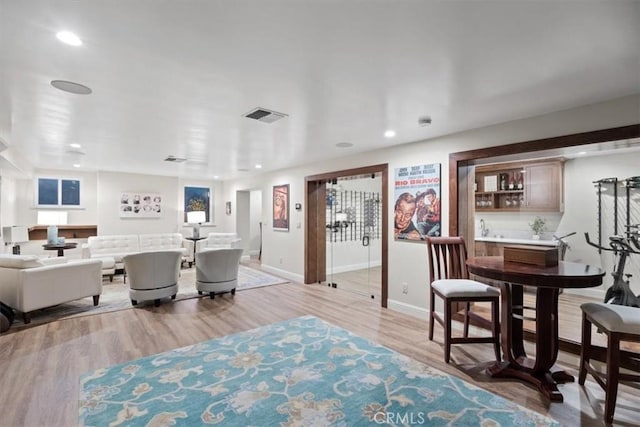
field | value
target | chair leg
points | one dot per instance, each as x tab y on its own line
613	371
585	349
447	330
96	299
495	325
431	308
199	292
111	278
134	302
233	291
173	296
212	295
156	302
467	308
26	318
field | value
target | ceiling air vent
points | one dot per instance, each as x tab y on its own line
264	115
174	159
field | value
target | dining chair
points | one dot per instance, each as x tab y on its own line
449	280
618	323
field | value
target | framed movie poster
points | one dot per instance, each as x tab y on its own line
140	205
416	211
281	207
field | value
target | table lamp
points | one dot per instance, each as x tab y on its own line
52	219
15	234
195	218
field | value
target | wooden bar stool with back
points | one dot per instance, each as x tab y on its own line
449	280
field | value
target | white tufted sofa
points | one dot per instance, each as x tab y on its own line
115	247
118	246
219	241
28	283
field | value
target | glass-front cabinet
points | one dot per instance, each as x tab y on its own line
521	186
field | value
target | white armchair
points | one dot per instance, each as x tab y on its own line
153	275
28	284
217	271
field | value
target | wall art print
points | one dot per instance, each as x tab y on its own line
281	207
140	205
197	199
417	207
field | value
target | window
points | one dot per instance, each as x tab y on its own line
61	192
197	199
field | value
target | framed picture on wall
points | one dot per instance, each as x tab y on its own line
140	205
281	207
197	199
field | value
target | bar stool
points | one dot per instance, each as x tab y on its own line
619	323
449	279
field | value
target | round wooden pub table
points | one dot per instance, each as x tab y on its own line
548	281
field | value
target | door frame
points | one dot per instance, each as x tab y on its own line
467	158
315	261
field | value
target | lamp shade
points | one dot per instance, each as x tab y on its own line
196	217
15	234
52	218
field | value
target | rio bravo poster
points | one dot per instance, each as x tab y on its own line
416	210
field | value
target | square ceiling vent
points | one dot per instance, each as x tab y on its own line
264	115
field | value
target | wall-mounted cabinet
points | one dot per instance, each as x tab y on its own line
519	187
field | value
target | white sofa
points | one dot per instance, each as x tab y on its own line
28	283
118	246
219	241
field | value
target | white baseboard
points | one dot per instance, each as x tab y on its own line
402	307
283	273
353	267
253	251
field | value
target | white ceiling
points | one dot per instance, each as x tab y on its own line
175	77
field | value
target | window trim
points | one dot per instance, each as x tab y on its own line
59	180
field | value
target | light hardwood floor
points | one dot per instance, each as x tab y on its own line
40	366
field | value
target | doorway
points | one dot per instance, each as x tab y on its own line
461	168
345	218
248	214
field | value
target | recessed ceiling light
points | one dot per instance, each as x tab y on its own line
69	38
582	153
74	145
344	145
216	177
390	133
71	87
258	166
76	165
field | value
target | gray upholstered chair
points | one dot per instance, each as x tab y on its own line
153	275
217	271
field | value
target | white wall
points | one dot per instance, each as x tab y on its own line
283	252
255	216
242	213
581	207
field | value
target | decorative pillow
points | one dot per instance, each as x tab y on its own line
19	261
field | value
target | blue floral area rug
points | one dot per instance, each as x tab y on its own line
301	372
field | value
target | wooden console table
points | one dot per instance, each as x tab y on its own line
39	232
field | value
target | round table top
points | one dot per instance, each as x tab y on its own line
52	246
564	275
